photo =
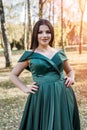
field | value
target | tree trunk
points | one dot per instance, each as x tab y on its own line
25	28
80	44
29	28
7	49
62	25
82	5
40	9
50	11
53	13
41	4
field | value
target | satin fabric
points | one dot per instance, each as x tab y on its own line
54	106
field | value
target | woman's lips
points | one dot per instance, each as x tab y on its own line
45	40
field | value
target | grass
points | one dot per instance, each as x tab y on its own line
10	112
12	100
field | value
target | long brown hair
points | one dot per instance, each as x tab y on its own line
34	40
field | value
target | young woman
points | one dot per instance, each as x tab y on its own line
51	104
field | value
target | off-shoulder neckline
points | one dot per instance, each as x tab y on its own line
44	55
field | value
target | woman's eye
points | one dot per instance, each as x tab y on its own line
40	32
48	32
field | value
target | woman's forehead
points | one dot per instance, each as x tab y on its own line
43	27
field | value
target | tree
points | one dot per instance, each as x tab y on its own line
27	25
29	28
82	4
50	6
41	4
7	49
53	12
25	29
62	24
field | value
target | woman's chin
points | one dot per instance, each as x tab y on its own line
44	43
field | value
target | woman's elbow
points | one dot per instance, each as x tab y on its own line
12	76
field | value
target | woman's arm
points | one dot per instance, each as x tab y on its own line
15	79
70	74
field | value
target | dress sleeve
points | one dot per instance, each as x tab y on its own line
63	55
25	56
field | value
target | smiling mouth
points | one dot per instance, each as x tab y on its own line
45	39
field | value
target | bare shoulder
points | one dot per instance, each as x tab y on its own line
29	50
56	49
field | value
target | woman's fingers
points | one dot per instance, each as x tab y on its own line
31	92
32	88
34	83
69	82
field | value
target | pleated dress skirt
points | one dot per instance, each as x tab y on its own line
53	106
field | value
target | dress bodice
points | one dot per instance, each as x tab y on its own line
41	66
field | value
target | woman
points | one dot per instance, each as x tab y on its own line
51	104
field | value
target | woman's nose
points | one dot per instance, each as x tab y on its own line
44	34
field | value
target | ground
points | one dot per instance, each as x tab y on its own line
12	100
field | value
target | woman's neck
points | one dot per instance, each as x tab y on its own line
43	48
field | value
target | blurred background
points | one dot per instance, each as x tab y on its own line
17	18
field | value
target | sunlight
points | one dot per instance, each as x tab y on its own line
68	2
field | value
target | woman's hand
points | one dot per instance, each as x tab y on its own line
33	88
69	81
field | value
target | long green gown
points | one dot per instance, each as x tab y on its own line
54	106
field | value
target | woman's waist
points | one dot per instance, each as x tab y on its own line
47	78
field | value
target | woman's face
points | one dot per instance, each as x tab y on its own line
44	35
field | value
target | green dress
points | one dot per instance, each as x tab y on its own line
54	106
